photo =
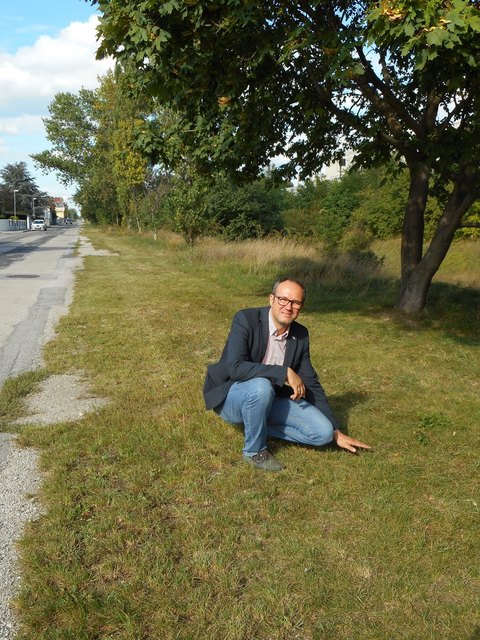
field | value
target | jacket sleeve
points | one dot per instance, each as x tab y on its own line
242	363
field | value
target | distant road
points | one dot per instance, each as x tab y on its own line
36	285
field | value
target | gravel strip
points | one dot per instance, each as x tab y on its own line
18	469
61	398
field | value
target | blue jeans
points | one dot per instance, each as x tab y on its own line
255	404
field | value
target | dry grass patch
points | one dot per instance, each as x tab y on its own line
286	256
460	267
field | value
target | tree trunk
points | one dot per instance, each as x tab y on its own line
413	221
413	296
417	279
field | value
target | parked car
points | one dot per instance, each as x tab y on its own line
39	224
68	221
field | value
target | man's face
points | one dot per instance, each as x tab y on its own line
283	313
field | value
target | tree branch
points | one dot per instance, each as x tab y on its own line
431	110
325	99
459	108
383	63
354	121
380	104
390	99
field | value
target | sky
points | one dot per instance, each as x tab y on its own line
46	47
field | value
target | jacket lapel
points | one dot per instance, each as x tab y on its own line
263	331
291	347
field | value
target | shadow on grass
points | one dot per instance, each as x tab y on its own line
476	634
344	403
451	309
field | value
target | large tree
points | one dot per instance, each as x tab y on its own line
93	137
72	130
16	177
310	79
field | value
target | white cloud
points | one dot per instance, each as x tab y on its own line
21	124
31	76
29	79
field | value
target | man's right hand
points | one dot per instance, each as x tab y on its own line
294	381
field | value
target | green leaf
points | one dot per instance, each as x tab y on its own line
437	37
409	29
167	8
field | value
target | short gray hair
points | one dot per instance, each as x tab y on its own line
288	279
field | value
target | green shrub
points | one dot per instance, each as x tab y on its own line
242	212
382	203
300	223
472	217
191	214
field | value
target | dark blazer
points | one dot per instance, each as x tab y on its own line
242	360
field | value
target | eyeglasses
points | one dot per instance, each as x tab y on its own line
296	304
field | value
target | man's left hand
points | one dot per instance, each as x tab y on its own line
350	444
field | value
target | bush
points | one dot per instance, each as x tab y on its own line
382	203
472	217
191	215
322	209
357	238
243	212
301	223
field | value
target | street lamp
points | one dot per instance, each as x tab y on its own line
15	191
29	221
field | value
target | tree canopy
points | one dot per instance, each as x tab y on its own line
303	77
307	80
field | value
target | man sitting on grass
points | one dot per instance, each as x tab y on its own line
265	380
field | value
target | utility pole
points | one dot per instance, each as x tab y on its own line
15	191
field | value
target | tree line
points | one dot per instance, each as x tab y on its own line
205	94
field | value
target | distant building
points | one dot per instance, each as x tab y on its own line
60	209
338	169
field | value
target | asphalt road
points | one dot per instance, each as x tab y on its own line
37	270
36	285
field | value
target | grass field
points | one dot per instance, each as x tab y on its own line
153	527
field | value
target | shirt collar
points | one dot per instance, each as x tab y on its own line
273	331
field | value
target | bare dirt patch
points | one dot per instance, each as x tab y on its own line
86	248
61	398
